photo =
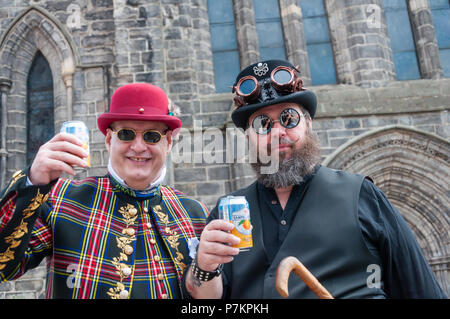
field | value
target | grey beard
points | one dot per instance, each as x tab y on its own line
293	170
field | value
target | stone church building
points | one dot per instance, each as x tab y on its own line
380	70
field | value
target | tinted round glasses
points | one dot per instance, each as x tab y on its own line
129	134
289	118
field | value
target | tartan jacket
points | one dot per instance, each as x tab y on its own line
101	240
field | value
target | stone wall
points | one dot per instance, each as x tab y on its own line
94	46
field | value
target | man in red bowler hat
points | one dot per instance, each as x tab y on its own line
120	236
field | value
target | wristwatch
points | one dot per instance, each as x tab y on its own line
203	275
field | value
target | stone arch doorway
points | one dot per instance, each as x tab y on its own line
35	30
412	168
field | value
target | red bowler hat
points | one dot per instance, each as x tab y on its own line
138	102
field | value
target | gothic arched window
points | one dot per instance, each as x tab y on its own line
40	118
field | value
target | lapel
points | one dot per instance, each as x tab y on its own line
173	226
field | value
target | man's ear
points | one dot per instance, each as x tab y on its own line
108	139
169	141
309	121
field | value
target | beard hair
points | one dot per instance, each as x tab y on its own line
294	169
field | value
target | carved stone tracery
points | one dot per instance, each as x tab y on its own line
413	169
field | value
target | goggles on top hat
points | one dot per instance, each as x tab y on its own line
283	80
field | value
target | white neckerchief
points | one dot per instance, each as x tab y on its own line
156	183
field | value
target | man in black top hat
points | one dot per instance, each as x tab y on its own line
338	224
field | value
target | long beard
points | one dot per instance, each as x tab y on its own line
294	169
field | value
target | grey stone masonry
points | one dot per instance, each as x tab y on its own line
29	286
360	42
425	39
246	35
398	131
294	37
187	69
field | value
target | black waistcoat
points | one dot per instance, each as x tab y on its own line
325	236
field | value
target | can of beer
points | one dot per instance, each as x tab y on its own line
80	130
235	209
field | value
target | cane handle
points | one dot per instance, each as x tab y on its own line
289	264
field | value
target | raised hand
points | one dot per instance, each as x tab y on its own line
56	156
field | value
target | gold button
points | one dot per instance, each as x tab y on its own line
141	110
149	225
152	241
164	296
160	277
128	249
128	231
123	294
156	258
132	212
126	271
145	210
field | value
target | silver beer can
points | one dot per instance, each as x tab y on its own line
81	131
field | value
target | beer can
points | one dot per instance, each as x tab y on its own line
81	131
235	209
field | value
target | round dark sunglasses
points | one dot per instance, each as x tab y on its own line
129	134
289	118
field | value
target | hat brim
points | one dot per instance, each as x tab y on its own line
105	120
306	99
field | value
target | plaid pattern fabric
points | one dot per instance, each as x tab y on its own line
100	242
7	209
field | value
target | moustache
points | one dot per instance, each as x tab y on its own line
284	141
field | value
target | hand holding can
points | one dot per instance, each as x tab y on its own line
60	154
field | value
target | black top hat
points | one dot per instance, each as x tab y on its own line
267	83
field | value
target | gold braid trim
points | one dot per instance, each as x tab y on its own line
173	236
16	176
128	212
14	239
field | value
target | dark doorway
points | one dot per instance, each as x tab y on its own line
40	117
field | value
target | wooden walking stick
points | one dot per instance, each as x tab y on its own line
282	276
